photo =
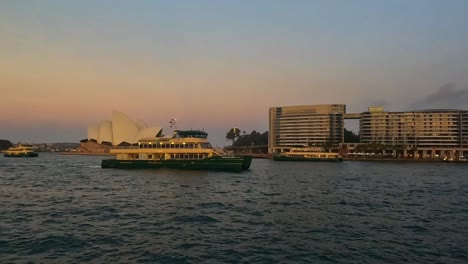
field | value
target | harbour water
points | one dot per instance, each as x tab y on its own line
66	209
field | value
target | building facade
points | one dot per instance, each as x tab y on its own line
120	130
422	129
306	125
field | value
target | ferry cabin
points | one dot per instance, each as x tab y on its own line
310	153
21	149
313	155
184	145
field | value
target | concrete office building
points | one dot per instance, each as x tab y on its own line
427	132
306	125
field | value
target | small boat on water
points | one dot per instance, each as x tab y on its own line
186	149
308	154
22	150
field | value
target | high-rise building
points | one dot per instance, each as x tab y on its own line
437	128
305	125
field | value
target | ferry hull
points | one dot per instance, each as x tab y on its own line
284	158
21	155
215	163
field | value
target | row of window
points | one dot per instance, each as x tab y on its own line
174	156
188	156
177	146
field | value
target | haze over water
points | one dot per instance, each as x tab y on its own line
58	209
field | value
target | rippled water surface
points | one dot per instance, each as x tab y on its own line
58	209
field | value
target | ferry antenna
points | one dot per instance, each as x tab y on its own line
173	123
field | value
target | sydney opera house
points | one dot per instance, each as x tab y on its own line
121	130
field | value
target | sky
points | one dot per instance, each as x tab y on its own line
215	65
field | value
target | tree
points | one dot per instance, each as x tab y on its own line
5	144
252	139
232	134
350	137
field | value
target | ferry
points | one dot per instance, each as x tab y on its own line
186	149
22	150
308	154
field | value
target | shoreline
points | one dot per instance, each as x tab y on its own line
403	160
86	153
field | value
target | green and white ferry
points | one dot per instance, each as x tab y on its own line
308	154
187	150
22	150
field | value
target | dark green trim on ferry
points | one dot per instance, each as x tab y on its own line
223	163
286	158
22	155
188	133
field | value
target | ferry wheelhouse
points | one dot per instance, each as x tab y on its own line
22	150
186	149
308	154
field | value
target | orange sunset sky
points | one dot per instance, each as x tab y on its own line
218	64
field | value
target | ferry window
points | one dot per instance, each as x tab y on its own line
196	145
190	156
190	145
172	156
186	156
150	156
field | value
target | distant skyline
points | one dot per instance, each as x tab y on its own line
218	64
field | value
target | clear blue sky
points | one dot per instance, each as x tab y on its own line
218	64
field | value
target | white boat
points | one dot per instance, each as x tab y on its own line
188	150
308	154
22	150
